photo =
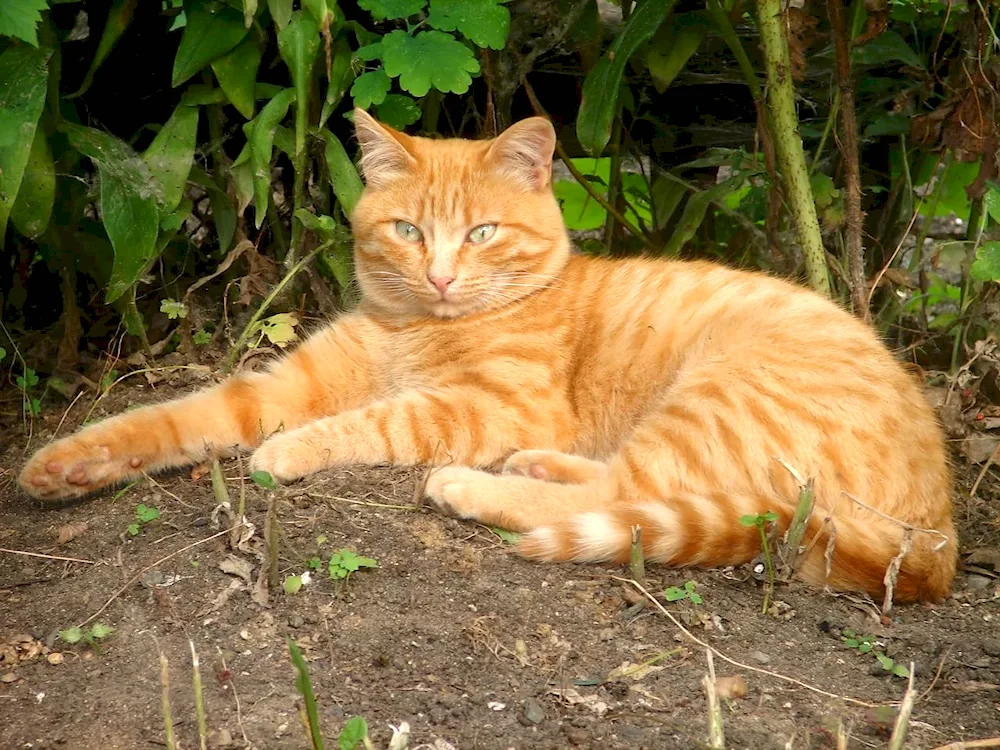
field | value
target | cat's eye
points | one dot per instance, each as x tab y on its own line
408	232
482	233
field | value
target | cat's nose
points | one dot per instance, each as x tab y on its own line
441	283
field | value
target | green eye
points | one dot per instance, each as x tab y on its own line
408	232
482	233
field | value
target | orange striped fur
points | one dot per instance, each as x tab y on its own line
659	393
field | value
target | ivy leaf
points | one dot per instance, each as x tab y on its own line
173	309
19	18
429	59
370	88
369	52
398	110
986	266
485	22
387	9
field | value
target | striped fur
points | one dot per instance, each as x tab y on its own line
658	393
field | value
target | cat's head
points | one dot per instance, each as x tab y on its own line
448	227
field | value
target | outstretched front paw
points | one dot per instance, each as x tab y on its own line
75	466
288	456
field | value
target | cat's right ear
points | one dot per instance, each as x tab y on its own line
383	151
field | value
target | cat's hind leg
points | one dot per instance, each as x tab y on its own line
553	466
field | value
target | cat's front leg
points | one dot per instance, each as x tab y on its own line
450	425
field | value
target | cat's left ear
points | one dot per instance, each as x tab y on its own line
523	152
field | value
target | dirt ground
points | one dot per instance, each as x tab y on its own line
472	646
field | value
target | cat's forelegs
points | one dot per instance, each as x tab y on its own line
324	375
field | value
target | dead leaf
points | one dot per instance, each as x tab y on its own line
239	567
731	687
70	531
978	448
574	698
632	671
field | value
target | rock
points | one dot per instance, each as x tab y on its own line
296	621
760	657
533	712
221	739
55	658
977	582
576	737
991	646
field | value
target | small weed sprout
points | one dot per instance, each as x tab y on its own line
143	515
173	309
26	383
676	594
344	562
201	337
866	644
91	636
759	521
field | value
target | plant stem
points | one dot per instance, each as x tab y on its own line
788	144
637	560
133	321
768	565
219	164
299	183
199	699
852	170
168	718
248	330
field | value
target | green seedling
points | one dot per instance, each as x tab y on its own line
355	731
263	479
26	384
866	644
143	515
760	520
91	636
344	562
201	337
675	594
108	379
173	309
293	584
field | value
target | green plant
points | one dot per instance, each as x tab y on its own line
344	562
263	479
760	521
143	514
91	636
867	644
26	383
676	594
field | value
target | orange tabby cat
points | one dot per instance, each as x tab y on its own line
659	393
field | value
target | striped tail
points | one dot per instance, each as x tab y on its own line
692	531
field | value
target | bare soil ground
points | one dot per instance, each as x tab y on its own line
451	633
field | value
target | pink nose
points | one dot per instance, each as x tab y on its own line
441	283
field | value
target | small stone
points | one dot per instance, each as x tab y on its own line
9	677
760	657
576	736
55	658
199	522
296	621
978	583
221	739
280	731
991	646
533	712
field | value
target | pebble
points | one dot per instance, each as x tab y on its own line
296	621
576	736
55	658
222	738
200	521
991	646
8	677
533	712
760	657
978	582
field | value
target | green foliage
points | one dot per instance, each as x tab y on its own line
91	636
304	685
344	562
263	479
173	309
759	519
676	594
355	731
20	18
867	644
143	514
986	266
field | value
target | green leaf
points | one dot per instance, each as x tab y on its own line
429	59
314	563
370	52
292	584
119	18
304	686
370	88
750	520
485	22
146	513
132	529
3	354
347	185
770	516
33	207
673	45
510	537
280	329
674	594
249	12
579	209
71	635
263	479
281	12
213	29
237	75
695	598
324	226
339	262
128	204
887	125
260	133
201	337
382	10
298	43
887	47
345	562
171	154
600	89
986	266
19	19
667	195
319	10
901	670
173	309
398	111
340	77
992	202
355	729
99	630
24	75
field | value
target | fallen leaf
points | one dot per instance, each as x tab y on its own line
238	566
573	698
70	531
731	687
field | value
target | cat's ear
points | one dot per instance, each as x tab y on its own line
383	150
523	152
